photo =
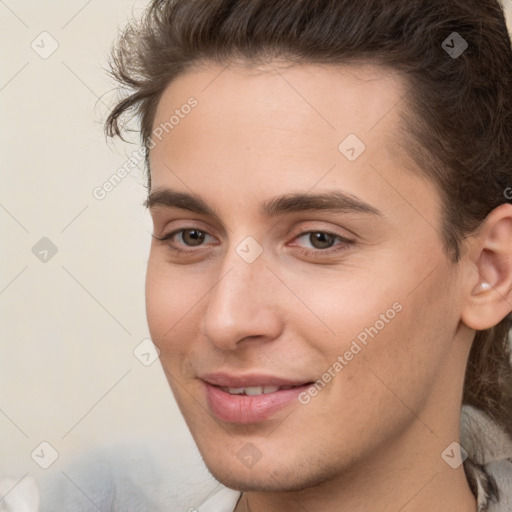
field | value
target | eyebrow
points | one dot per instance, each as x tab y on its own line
335	200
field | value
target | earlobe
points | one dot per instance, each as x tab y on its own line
490	300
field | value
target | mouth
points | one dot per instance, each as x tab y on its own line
257	390
250	399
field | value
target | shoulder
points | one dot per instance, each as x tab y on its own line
128	477
489	460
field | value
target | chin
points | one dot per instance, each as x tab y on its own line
258	483
271	476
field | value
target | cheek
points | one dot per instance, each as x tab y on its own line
171	304
334	307
399	359
381	326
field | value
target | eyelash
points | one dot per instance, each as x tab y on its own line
345	242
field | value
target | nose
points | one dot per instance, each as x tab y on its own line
242	305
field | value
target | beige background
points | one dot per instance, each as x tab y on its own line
69	326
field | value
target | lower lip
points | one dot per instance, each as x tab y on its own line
246	409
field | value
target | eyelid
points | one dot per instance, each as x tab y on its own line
342	238
315	226
169	236
187	220
183	224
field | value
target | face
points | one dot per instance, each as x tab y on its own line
304	286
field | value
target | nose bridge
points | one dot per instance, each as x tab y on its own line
239	305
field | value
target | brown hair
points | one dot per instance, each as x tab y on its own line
457	124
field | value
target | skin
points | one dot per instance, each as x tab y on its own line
372	438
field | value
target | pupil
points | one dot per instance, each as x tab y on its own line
321	240
193	237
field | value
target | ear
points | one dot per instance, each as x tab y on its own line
489	289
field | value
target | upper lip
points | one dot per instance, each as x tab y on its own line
249	380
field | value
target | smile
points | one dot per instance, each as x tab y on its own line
250	399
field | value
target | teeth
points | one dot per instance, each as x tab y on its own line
236	391
254	390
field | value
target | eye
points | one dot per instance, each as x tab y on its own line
323	243
190	237
320	239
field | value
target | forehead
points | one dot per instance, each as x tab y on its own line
320	102
254	129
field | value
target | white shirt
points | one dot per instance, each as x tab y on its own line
222	500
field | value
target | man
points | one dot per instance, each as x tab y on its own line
331	270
